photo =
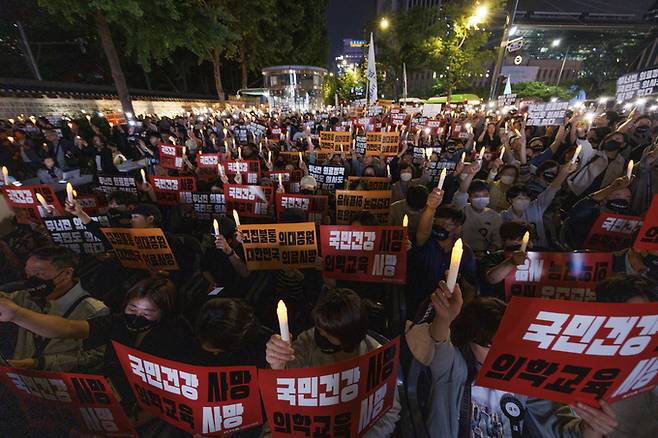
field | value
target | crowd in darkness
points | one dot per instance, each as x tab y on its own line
60	310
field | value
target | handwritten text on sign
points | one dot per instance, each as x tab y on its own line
206	400
342	399
570	351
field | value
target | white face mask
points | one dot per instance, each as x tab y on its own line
520	204
479	203
507	179
406	176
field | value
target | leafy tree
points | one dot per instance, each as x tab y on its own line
542	91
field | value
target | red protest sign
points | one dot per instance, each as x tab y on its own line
171	156
612	232
63	404
315	206
249	201
249	170
168	188
562	275
213	401
25	203
208	160
376	254
91	204
647	238
572	352
342	399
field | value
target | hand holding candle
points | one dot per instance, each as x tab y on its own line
215	226
42	201
575	154
282	315
524	242
69	192
442	179
481	153
236	218
143	175
455	260
502	153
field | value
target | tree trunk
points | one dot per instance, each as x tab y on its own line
217	73
113	61
243	65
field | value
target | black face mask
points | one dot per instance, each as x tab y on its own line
620	206
307	192
440	233
550	176
137	323
611	145
323	343
451	150
642	129
38	287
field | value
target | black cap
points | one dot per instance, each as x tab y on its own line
147	210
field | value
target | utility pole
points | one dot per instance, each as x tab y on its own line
27	52
564	61
509	18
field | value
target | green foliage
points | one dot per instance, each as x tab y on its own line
541	91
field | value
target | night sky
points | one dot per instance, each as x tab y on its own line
347	19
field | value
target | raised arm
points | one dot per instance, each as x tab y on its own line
427	216
47	326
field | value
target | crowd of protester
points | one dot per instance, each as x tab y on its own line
504	179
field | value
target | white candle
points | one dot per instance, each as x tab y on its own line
280	180
463	158
220	169
442	178
300	157
282	315
405	221
5	175
455	260
388	170
69	192
236	218
428	153
42	201
629	170
143	175
502	153
239	152
269	156
575	154
524	242
172	139
215	226
481	153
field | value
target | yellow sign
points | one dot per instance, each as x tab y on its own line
349	202
141	248
279	246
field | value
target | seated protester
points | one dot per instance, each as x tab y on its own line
412	206
493	268
186	249
532	211
49	173
480	229
462	338
429	258
339	333
615	198
147	323
221	265
606	165
399	188
636	415
544	175
507	176
229	334
52	288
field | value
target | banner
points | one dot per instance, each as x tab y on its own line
315	206
141	248
368	183
327	177
342	141
373	143
279	246
213	401
612	232
506	100
571	352
249	170
208	161
202	205
360	144
349	202
647	238
327	140
249	201
290	179
91	204
64	404
70	232
546	113
27	208
560	275
109	184
167	188
637	84
171	156
340	400
374	254
390	143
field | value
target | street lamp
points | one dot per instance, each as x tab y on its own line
556	42
384	23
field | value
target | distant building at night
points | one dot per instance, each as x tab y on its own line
354	53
